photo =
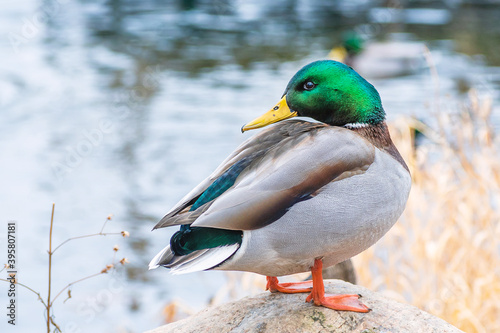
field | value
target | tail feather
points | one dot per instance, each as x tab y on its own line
199	260
163	257
179	260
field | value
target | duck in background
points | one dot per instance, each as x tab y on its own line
379	59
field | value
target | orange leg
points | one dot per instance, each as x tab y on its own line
335	302
288	287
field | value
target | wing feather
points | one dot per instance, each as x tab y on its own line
284	177
290	161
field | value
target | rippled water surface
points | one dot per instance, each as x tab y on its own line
123	106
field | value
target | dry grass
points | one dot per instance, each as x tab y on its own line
443	255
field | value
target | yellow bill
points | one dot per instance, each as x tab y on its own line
280	112
338	53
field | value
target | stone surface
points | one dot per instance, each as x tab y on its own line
285	313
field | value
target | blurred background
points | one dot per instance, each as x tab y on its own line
123	106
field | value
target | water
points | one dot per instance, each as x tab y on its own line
123	106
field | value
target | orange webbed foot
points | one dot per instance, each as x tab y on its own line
339	302
273	285
335	302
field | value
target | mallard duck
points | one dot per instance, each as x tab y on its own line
374	59
300	194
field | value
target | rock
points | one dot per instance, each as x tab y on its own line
283	313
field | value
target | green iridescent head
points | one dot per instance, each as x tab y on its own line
333	93
327	91
352	42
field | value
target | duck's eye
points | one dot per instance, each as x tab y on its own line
309	85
